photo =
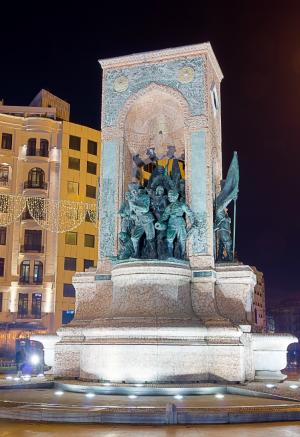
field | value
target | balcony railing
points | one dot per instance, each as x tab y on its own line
22	315
40	152
31	281
38	186
32	248
44	153
24	280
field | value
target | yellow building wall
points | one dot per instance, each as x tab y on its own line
78	251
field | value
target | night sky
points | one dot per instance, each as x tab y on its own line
258	48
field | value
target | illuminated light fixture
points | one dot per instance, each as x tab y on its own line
90	395
219	396
58	393
26	378
293	386
17	378
138	385
9	378
178	397
34	359
107	384
40	375
132	396
53	215
270	385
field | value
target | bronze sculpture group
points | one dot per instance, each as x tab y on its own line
154	216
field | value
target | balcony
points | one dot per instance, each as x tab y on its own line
30	281
24	315
44	153
34	185
40	152
32	248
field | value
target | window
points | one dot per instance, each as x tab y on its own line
214	99
70	263
69	290
4	174
33	240
2	235
38	272
71	238
74	163
89	240
23	305
74	142
90	191
1	301
25	272
36	179
91	167
44	147
36	306
67	316
31	147
87	217
87	263
92	147
2	261
6	142
73	187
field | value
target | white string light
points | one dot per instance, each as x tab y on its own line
11	207
52	215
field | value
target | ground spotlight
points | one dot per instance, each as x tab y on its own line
219	396
34	359
178	397
132	396
90	395
58	393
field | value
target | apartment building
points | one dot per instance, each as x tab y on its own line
44	155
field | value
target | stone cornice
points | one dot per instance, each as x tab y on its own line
160	55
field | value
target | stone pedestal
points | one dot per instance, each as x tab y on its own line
145	322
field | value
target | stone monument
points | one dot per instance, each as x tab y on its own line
167	302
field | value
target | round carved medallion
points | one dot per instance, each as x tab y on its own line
186	74
121	84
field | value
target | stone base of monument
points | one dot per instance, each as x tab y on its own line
145	323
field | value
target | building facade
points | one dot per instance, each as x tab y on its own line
259	303
46	156
286	316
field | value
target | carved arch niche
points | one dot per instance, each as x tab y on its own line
153	123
